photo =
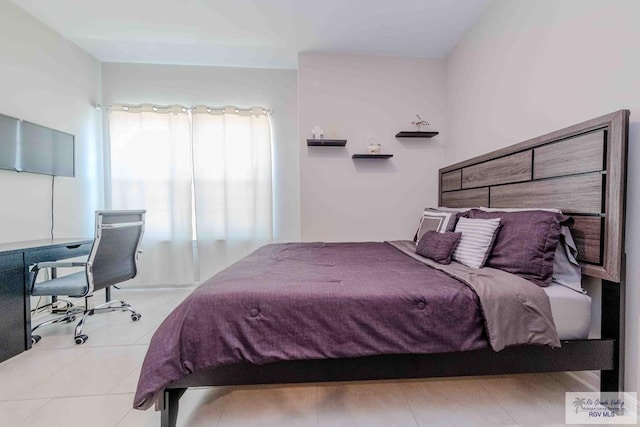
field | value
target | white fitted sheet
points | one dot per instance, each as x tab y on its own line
571	311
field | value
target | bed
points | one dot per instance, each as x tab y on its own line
450	328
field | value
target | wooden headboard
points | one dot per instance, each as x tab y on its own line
581	169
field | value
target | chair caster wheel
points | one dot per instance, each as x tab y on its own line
136	316
81	339
35	339
71	319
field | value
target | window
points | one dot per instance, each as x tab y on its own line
202	174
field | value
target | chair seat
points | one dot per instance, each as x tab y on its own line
113	259
73	285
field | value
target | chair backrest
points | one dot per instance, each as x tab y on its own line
114	254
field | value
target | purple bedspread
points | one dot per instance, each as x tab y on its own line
312	301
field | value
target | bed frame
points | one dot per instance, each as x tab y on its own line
581	170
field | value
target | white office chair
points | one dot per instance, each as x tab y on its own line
113	259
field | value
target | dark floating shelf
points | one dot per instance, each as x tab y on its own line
409	134
326	142
371	156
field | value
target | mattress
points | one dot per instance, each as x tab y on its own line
571	311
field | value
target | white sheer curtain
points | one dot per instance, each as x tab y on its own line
212	166
232	176
150	156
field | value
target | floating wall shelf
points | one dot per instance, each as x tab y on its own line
371	156
326	142
410	134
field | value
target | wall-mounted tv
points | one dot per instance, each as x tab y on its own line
27	147
9	131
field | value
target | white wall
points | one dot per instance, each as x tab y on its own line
358	98
216	86
530	67
47	80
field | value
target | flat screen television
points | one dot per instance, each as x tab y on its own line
27	147
9	131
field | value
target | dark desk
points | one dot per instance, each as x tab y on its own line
15	303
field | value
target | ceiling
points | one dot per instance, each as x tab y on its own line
256	33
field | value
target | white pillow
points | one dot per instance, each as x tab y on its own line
440	220
566	269
476	242
435	221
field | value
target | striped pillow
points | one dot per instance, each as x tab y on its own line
477	239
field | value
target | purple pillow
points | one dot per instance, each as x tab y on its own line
526	244
438	246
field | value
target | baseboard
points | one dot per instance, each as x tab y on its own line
154	288
589	379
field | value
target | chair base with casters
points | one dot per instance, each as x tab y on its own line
56	306
113	259
71	314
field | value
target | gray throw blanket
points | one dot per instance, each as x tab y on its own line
515	310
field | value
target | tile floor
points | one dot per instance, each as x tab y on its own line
58	383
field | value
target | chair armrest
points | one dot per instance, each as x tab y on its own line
60	264
33	273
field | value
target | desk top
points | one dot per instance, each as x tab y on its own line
7	248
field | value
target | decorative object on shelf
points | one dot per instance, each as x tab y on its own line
372	156
317	132
417	133
326	142
333	132
420	122
373	147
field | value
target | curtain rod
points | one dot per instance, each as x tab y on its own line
197	108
